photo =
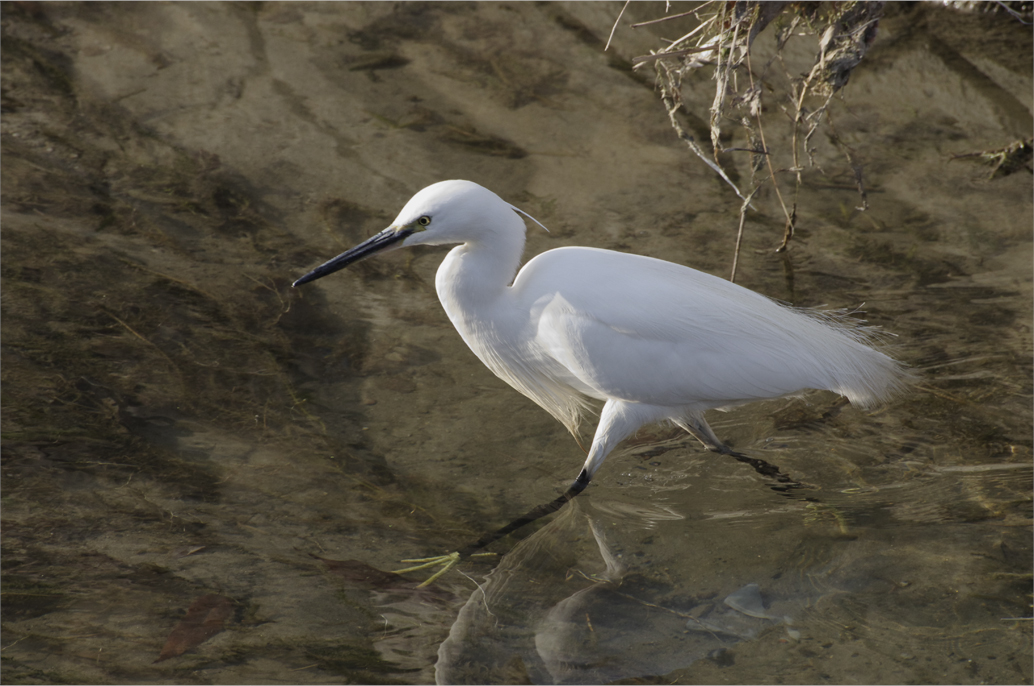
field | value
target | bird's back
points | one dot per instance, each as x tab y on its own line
650	331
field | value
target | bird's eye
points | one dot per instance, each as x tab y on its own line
424	220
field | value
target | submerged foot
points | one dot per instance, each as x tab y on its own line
446	562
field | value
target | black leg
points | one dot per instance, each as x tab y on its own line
785	486
535	513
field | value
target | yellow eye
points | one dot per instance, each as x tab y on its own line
424	220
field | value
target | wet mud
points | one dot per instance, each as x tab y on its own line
197	455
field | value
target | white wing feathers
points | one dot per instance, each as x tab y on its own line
707	343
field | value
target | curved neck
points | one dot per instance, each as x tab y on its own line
474	274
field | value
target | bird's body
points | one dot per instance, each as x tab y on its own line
652	339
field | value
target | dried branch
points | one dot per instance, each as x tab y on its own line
723	41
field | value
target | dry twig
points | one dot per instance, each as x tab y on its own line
723	40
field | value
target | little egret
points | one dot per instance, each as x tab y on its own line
653	340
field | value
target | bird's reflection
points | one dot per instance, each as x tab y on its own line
564	606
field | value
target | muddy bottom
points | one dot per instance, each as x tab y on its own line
207	473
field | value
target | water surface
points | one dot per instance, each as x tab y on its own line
179	423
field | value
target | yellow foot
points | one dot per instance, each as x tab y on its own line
446	562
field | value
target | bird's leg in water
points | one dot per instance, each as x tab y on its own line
700	430
447	562
535	513
767	469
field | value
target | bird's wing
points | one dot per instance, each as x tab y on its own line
650	331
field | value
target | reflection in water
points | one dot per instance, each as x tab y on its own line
563	607
580	602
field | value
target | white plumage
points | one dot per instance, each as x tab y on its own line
652	339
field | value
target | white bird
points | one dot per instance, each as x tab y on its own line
653	340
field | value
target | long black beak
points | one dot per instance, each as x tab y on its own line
387	239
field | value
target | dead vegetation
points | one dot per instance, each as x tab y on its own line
747	86
1008	160
722	41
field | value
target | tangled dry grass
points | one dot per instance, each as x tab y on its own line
722	40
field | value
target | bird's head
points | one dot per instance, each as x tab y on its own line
444	213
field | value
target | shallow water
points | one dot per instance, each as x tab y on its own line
178	422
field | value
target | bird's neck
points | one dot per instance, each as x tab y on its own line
474	277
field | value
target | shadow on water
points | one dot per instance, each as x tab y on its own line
193	451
